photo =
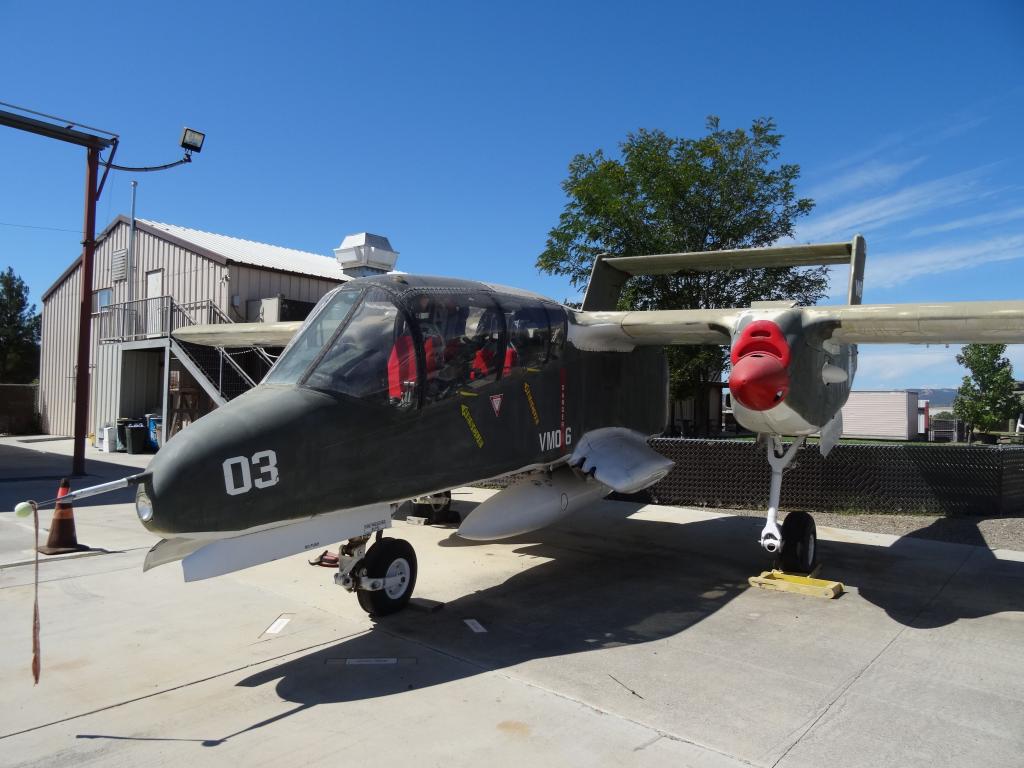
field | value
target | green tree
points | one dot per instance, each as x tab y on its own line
986	399
19	331
726	189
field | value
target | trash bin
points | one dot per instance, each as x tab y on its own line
137	434
154	422
122	437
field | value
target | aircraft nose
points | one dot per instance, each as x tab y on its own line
759	381
238	467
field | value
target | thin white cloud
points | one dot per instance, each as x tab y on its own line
993	217
907	366
886	142
871	174
886	272
892	207
918	366
928	134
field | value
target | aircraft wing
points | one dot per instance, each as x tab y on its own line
962	322
852	323
239	334
993	322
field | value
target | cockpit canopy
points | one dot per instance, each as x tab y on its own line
419	346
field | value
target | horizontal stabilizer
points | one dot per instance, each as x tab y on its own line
611	272
239	334
738	258
620	458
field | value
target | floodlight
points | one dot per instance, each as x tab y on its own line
192	141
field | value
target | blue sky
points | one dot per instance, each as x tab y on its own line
448	127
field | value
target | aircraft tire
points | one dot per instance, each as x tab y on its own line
388	558
799	543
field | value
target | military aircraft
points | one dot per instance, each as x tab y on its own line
398	387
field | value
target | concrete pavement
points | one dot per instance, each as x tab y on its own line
625	635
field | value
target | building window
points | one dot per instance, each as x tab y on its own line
101	299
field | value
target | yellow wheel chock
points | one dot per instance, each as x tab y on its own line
800	584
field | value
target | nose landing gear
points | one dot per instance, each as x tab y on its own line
383	578
388	577
796	544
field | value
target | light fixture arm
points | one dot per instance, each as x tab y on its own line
145	169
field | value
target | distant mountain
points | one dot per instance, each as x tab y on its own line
937	398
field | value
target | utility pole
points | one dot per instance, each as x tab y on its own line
82	398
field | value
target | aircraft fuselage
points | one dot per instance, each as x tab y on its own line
288	451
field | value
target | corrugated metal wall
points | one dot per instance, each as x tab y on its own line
187	277
57	357
251	283
880	415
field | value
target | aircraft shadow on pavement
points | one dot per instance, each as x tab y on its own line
28	474
625	582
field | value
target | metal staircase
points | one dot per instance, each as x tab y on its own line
224	374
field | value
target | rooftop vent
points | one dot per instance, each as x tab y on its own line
365	254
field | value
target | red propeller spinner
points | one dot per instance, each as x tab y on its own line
760	366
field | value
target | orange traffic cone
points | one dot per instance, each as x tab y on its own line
62	538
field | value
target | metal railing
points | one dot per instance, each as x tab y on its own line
231	373
205	312
154	318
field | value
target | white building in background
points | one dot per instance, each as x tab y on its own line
883	415
174	276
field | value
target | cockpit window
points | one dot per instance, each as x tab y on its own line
317	331
529	334
559	330
463	338
372	358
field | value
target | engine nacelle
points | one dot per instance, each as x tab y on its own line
536	501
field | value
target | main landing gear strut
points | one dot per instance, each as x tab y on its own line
797	543
382	578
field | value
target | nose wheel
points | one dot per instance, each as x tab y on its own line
386	577
799	543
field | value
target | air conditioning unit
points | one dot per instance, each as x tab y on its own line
276	309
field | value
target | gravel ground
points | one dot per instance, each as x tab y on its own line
993	532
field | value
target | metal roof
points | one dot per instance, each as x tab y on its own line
255	254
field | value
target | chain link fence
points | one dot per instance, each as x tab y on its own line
912	478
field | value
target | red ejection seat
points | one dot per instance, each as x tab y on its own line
402	363
483	362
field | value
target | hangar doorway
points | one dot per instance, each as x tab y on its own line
142	382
